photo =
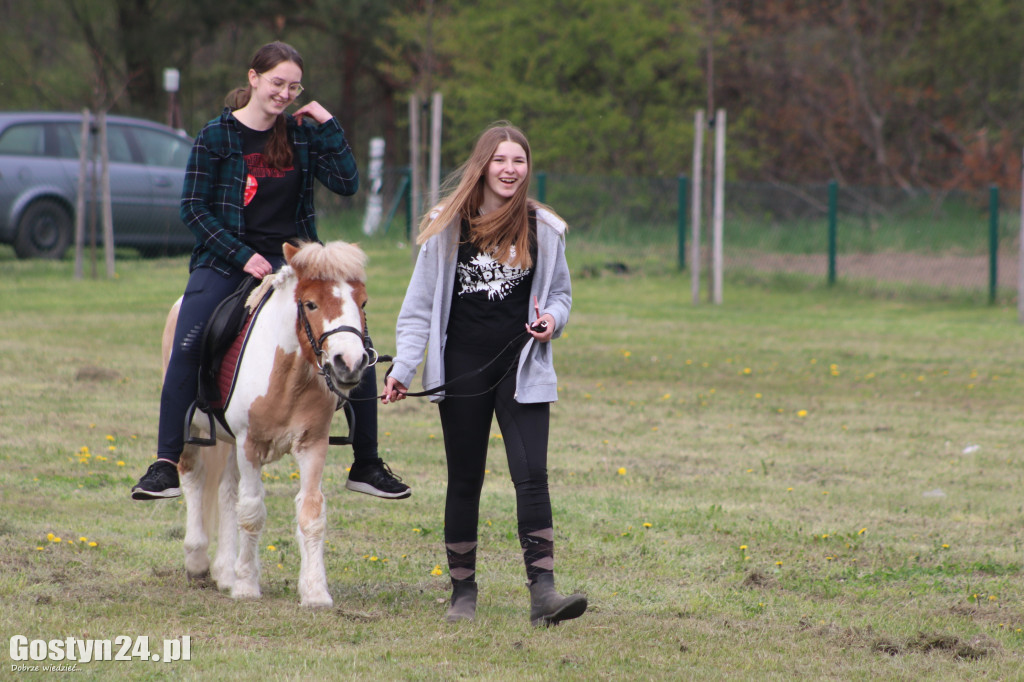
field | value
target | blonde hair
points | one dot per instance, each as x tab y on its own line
496	232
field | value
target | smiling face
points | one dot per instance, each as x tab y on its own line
275	89
507	170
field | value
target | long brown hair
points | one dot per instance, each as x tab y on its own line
278	152
495	232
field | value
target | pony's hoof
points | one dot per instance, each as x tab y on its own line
239	591
318	603
201	580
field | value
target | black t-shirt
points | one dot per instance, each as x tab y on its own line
490	300
271	197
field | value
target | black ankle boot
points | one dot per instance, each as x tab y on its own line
463	604
547	607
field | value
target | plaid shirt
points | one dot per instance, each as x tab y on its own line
212	195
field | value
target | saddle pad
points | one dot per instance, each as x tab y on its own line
229	364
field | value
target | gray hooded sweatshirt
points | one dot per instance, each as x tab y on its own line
423	320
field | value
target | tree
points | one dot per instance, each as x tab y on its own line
599	86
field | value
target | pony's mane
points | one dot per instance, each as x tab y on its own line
257	294
331	261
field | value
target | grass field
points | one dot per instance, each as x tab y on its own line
799	484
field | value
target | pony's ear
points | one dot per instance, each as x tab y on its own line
289	251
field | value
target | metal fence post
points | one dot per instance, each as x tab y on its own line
993	242
542	187
833	200
682	189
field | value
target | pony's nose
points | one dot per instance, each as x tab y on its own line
349	365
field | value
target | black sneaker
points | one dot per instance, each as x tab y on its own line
375	478
159	482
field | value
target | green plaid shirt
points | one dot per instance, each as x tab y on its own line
212	195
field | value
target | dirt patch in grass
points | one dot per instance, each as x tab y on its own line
967	272
760	580
927	642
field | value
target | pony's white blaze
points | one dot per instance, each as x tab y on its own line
278	405
345	350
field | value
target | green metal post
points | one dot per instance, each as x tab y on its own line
993	242
542	187
683	189
833	201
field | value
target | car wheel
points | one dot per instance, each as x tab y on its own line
44	230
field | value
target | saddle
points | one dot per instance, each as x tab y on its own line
221	346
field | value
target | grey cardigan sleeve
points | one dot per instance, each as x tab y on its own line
412	330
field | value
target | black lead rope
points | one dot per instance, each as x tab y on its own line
462	377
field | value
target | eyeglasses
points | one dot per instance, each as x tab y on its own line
294	89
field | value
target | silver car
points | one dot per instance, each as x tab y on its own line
39	167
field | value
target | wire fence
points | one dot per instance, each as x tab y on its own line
873	238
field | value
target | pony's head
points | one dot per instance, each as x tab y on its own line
330	292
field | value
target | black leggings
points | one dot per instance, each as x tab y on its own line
466	423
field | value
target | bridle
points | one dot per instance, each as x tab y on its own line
317	345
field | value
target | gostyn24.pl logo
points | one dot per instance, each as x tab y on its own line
73	650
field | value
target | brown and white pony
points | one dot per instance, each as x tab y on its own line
278	404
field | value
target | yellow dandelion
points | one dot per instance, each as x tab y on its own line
39	548
825	536
626	354
293	475
789	490
605	441
387	433
50	536
271	548
862	531
110	438
802	413
373	558
824	492
622	471
757	396
120	463
667	396
83	539
93	544
280	565
646	524
747	370
945	547
417	530
992	597
743	546
437	570
778	563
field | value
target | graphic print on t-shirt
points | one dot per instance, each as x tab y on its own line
258	168
483	274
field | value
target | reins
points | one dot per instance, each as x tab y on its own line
374	357
461	377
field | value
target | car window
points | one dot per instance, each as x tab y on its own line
68	139
119	146
161	149
26	140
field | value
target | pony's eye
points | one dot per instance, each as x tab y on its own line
310	306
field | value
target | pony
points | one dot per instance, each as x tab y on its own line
304	348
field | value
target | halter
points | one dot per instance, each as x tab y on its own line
317	344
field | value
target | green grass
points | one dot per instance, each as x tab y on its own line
801	483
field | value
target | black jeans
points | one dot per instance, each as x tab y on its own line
466	423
